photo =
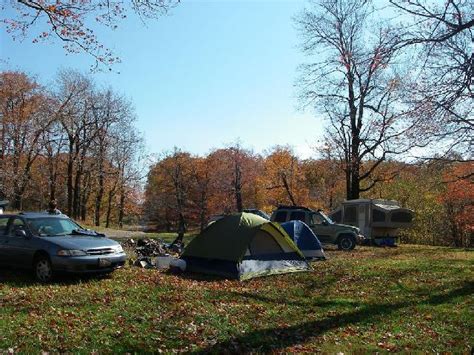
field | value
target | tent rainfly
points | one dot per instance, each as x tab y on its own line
305	239
243	246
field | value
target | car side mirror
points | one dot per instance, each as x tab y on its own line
324	223
20	233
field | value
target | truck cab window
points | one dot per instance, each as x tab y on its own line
297	216
280	216
317	219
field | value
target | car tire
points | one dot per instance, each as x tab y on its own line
43	269
346	242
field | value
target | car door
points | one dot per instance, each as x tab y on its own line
322	230
19	249
3	238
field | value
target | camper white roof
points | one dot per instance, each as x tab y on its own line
375	202
387	207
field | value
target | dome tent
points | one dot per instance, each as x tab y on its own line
305	239
243	246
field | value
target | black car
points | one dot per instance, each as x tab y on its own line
50	243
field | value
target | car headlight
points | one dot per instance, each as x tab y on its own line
71	252
118	249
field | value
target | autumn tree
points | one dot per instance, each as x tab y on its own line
417	186
353	83
325	179
283	178
74	143
75	24
202	189
234	170
458	201
168	187
24	117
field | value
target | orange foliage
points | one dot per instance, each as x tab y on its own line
459	196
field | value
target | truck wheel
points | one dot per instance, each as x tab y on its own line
346	242
43	269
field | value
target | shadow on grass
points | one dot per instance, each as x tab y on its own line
272	339
312	302
24	278
195	276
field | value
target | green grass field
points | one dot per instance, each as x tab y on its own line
373	299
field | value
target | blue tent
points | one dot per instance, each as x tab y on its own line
305	239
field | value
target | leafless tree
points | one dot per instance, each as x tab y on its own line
353	81
53	142
442	34
73	94
128	159
108	110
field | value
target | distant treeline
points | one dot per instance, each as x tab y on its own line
72	142
183	191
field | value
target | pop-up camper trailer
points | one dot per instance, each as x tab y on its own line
379	220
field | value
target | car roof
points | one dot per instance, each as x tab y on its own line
292	208
34	215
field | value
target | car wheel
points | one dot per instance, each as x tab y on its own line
43	269
346	242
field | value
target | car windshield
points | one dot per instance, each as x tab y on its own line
329	220
49	227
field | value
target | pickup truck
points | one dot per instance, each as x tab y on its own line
344	236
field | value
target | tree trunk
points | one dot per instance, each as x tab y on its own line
77	192
17	199
238	188
287	188
84	200
109	207
85	196
121	207
355	182
52	186
70	168
355	141
98	199
203	210
180	207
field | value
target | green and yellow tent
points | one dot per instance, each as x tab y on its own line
243	246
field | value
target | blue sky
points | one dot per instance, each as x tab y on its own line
207	75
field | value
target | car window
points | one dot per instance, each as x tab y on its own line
316	218
280	216
298	216
16	225
3	225
48	226
336	217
